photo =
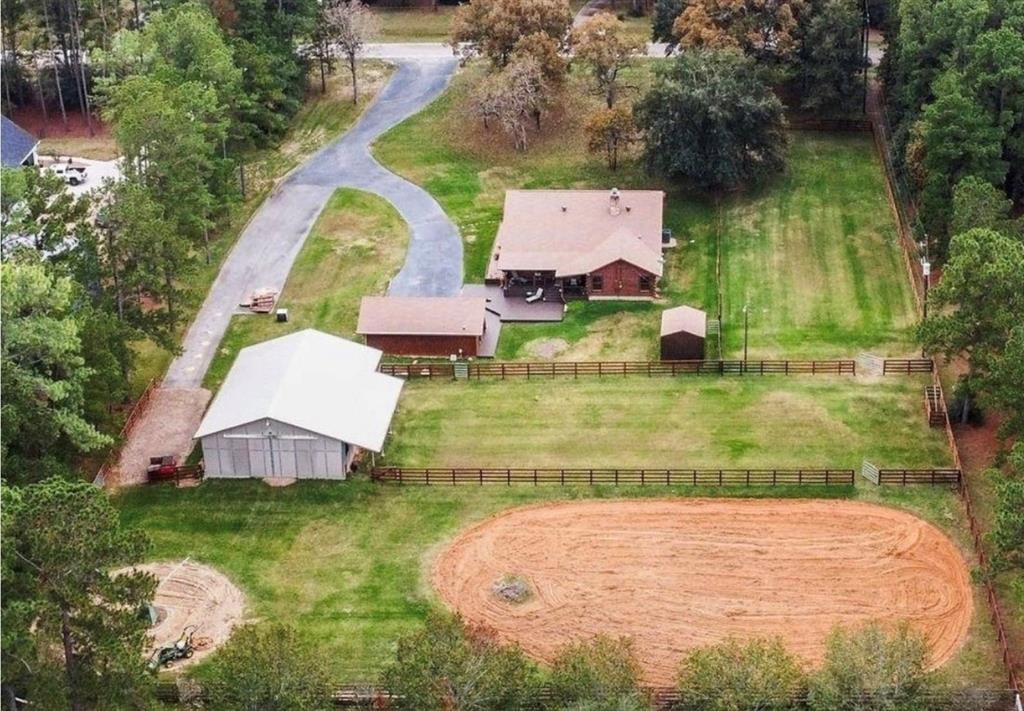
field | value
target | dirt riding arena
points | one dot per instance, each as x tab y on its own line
678	574
192	594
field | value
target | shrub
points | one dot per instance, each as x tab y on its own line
736	676
602	673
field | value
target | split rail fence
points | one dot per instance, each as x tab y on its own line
613	477
574	369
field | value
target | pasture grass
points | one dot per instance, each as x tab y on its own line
348	564
813	254
356	245
414	24
98	147
684	422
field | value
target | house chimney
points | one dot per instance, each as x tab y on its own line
613	205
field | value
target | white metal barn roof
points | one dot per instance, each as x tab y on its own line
311	380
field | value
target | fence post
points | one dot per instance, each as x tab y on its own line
481	475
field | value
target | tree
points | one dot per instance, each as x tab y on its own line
610	131
453	667
512	97
759	675
978	303
830	57
956	139
268	667
40	213
493	28
544	50
1008	530
63	609
599	673
43	371
602	45
978	203
351	24
869	669
665	14
764	29
710	118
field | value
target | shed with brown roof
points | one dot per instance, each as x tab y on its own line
425	325
683	330
579	244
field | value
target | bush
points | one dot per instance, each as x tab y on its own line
735	676
602	673
870	669
268	667
448	666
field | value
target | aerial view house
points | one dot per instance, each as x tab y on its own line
428	325
17	146
579	244
683	330
299	406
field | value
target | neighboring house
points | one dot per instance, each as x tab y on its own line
579	244
683	330
17	146
427	325
298	406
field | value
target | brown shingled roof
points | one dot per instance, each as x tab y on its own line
575	232
422	315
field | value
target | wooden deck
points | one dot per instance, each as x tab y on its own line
515	308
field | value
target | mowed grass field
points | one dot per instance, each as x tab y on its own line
357	244
812	254
347	564
684	422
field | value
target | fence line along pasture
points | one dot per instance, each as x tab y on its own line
575	369
481	476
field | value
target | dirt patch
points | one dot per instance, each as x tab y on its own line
677	574
166	426
546	348
189	593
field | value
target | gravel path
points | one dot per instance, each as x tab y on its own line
264	253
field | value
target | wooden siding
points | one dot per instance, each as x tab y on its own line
621	279
682	346
417	345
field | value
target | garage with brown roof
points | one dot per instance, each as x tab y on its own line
427	326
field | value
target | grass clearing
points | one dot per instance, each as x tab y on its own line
356	245
406	24
715	422
346	563
99	147
814	253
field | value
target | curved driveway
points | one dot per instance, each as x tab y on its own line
265	251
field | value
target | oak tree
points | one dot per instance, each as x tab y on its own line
602	45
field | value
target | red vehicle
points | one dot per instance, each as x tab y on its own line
162	468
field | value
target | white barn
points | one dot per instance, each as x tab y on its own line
298	406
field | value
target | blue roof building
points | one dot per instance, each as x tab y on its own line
17	146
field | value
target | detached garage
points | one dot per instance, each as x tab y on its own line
299	406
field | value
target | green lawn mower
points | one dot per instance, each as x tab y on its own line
183	648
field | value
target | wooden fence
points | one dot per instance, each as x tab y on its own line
933	477
614	477
573	369
907	366
126	429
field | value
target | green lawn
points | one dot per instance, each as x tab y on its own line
404	24
813	254
345	563
357	244
713	422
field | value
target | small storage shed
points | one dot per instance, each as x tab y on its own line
299	406
425	325
682	333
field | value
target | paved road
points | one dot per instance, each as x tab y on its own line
264	253
438	50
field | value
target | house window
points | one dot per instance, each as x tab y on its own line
596	282
645	282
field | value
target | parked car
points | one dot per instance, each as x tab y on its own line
72	174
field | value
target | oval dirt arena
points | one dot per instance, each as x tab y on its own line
678	574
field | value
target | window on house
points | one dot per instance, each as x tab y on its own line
596	282
645	282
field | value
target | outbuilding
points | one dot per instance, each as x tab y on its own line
17	146
683	330
299	406
429	325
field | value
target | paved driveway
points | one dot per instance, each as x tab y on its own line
264	253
